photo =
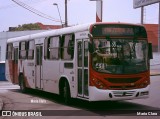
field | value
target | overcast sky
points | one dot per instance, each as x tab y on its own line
79	12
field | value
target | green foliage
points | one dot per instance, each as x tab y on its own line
27	27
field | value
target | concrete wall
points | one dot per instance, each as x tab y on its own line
6	35
152	32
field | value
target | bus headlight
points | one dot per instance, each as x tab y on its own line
98	84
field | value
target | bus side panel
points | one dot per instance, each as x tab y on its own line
8	71
29	72
51	76
23	70
15	63
69	73
15	73
11	69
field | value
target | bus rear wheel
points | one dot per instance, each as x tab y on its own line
22	84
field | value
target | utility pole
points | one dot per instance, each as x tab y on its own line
142	14
66	21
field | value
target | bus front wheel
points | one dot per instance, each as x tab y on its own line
65	92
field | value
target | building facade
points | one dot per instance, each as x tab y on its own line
152	32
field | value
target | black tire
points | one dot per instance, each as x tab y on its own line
65	92
22	84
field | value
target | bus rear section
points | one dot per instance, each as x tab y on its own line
119	62
11	64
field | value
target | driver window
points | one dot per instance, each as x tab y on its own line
127	50
96	43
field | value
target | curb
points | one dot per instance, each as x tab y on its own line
154	74
1	104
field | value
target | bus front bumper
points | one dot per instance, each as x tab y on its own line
96	94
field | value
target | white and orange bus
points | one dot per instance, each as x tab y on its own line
94	62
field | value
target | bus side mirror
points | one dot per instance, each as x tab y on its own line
91	47
150	54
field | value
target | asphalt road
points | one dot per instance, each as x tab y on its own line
35	100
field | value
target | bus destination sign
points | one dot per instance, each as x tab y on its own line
117	31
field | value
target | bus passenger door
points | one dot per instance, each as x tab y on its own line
82	70
38	67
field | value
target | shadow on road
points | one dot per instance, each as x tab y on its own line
101	108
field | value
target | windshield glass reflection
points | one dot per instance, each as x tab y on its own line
120	56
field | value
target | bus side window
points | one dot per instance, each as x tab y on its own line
23	50
9	51
46	48
31	49
79	54
86	53
67	50
54	48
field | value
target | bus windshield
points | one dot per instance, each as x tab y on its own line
120	56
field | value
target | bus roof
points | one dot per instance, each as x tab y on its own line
66	30
54	32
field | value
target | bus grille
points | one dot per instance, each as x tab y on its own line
122	80
123	93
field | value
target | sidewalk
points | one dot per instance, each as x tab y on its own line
154	72
155	64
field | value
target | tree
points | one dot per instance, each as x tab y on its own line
25	27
